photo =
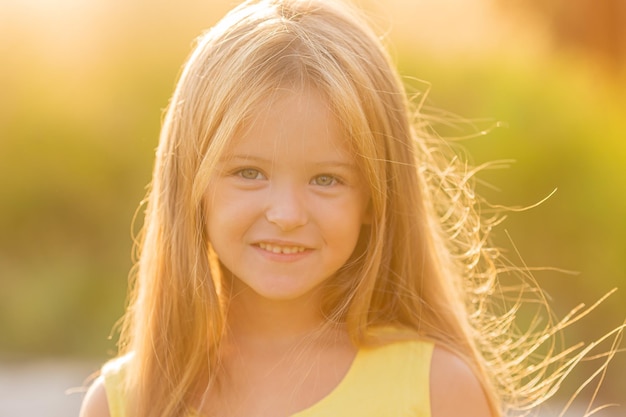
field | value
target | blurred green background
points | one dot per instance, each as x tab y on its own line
82	88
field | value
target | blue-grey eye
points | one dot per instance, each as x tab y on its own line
250	173
324	180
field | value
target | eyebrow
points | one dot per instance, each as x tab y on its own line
336	164
321	164
227	157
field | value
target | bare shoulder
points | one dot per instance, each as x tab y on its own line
454	388
95	403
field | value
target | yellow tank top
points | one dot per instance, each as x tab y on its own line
390	381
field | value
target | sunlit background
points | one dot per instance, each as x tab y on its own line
82	87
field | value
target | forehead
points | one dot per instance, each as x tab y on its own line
297	121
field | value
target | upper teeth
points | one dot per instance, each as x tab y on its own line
280	249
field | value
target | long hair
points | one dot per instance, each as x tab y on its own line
423	264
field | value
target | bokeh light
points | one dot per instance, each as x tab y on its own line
82	88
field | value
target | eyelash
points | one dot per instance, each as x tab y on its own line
334	180
257	175
241	173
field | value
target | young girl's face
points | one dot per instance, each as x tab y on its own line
287	202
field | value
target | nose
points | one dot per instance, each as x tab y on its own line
286	207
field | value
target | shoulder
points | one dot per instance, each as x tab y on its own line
95	403
454	388
106	397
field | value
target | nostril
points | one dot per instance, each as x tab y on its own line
285	206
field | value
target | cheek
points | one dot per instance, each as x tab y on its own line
229	213
345	220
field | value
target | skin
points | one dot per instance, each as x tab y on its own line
95	402
284	214
455	391
287	202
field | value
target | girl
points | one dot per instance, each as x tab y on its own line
307	249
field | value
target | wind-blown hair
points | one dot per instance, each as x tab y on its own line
423	264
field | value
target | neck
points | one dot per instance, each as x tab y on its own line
255	321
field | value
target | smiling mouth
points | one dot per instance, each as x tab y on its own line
287	250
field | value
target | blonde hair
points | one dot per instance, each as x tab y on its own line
424	264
